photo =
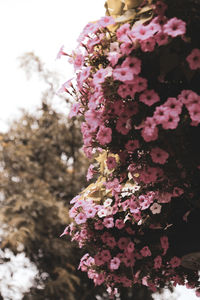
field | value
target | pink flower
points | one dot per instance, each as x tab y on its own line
177	191
83	75
175	262
74	110
90	212
110	241
99	260
132	145
140	84
122	243
164	197
149	131
161	38
80	218
193	98
104	135
157	262
118	107
160	7
123	90
164	244
122	74
65	232
197	292
65	86
149	97
88	29
61	52
194	111
105	236
171	121
108	222
159	156
127	48
153	27
149	175
188	97
130	248
92	117
129	259
105	21
145	251
90	172
155	208
133	206
111	162
113	185
92	42
160	114
193	59
143	201
115	263
78	61
133	63
114	47
122	126
175	27
148	45
141	32
161	20
119	223
113	58
98	225
173	105
99	76
132	108
122	33
105	254
99	279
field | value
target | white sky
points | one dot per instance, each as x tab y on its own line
41	26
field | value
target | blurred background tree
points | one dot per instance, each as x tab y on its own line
42	167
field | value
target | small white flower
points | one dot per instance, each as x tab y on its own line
102	213
126	193
107	202
130	176
127	218
136	188
114	47
109	211
155	208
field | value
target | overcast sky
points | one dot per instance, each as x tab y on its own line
41	26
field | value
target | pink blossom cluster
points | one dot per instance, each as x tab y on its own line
125	258
140	117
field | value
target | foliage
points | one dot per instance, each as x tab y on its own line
39	158
137	88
